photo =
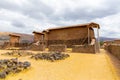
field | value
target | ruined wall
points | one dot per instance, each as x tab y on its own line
69	36
37	47
57	48
38	37
14	39
113	49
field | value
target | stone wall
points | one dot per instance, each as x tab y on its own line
8	45
37	47
113	49
57	48
69	43
83	49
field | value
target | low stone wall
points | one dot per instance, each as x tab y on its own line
9	45
68	43
113	49
37	47
59	48
83	48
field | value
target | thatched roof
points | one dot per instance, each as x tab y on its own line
89	25
14	35
35	32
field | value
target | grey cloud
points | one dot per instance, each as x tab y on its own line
6	4
41	14
83	14
38	10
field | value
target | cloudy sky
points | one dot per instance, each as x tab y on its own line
24	16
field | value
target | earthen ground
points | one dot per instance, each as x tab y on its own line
79	66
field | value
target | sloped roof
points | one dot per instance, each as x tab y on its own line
38	32
89	25
15	35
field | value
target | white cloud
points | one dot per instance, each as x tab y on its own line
110	25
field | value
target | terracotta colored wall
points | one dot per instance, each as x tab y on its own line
37	37
14	39
69	36
117	41
69	33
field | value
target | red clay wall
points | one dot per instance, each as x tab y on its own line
69	36
14	39
37	37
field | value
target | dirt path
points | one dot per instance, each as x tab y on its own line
78	66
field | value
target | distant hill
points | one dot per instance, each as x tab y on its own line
4	36
106	38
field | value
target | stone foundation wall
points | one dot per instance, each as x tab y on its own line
69	43
57	48
83	48
113	49
37	47
8	45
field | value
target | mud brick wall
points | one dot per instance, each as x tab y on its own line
5	45
1	46
38	37
68	36
37	47
83	48
14	39
70	33
23	44
59	48
113	49
8	44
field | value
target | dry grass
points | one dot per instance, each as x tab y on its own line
77	67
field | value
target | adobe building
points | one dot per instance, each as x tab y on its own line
38	36
71	35
117	41
82	34
14	39
39	43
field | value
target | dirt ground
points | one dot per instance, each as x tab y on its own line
79	66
